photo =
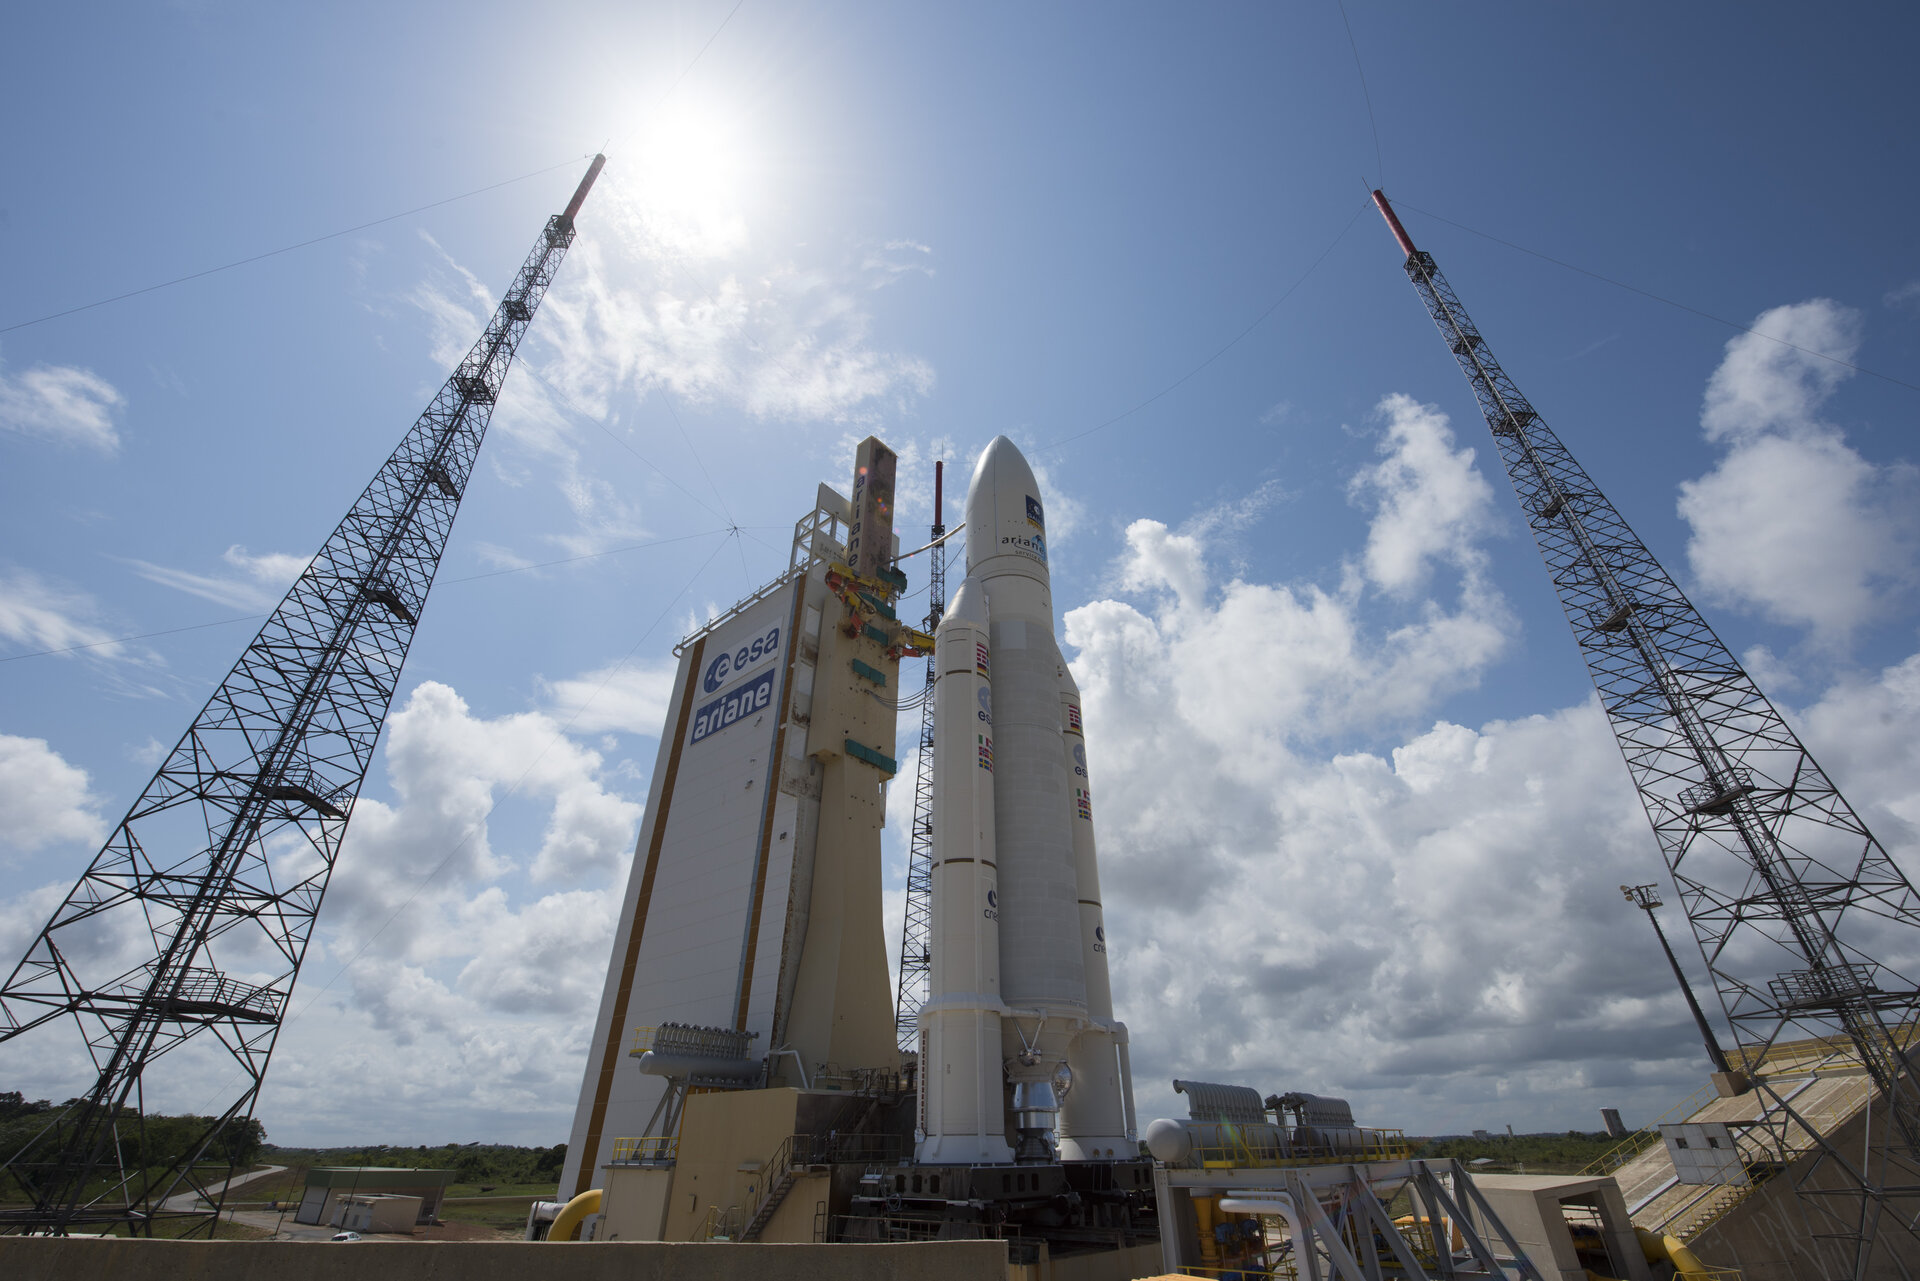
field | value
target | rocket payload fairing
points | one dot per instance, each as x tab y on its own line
1020	1056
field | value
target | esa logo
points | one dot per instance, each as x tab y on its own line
986	706
1079	760
727	665
992	909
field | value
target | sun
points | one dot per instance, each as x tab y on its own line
695	158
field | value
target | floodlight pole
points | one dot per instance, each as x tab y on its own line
1646	898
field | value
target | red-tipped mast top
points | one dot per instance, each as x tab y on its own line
1393	222
586	185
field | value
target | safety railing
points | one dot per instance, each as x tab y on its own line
1787	1058
1642	1140
1703	1212
686	1038
847	1149
1240	1153
859	1228
1242	1271
652	1150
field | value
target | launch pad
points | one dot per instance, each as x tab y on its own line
771	1100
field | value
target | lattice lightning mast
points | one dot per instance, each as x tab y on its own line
185	935
916	959
1796	906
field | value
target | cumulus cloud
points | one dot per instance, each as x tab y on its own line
1792	522
62	403
465	991
1433	504
44	800
454	972
1289	662
1432	928
1421	928
628	699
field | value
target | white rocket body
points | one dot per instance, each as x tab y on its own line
962	1097
1055	1007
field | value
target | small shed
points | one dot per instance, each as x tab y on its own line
377	1213
329	1185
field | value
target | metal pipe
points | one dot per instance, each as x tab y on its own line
586	185
1646	898
1393	223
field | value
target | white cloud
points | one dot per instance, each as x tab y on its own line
1792	521
44	800
1432	929
734	323
1907	293
1425	929
42	615
628	699
1418	929
1764	385
62	403
1433	503
467	995
258	586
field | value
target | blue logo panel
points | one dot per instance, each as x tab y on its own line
756	695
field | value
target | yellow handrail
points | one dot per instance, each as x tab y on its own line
1642	1140
1374	1145
652	1150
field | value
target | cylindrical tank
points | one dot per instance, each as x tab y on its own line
962	1115
1193	1142
1093	1122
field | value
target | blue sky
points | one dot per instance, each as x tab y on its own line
1364	823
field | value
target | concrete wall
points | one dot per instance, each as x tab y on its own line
633	1201
1769	1237
1103	1265
52	1259
720	1134
1533	1208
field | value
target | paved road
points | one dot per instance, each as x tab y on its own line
188	1200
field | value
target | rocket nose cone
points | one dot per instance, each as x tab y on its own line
969	605
1004	513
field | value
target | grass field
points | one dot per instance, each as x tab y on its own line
504	1209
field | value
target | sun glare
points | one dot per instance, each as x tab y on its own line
695	159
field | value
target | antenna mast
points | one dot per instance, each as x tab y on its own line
916	961
211	883
1792	900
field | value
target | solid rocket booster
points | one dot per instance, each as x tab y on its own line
1051	944
962	1106
1093	1116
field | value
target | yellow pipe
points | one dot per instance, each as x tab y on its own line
1671	1249
568	1221
1203	1215
1685	1262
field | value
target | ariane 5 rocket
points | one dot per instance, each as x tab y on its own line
1020	1056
